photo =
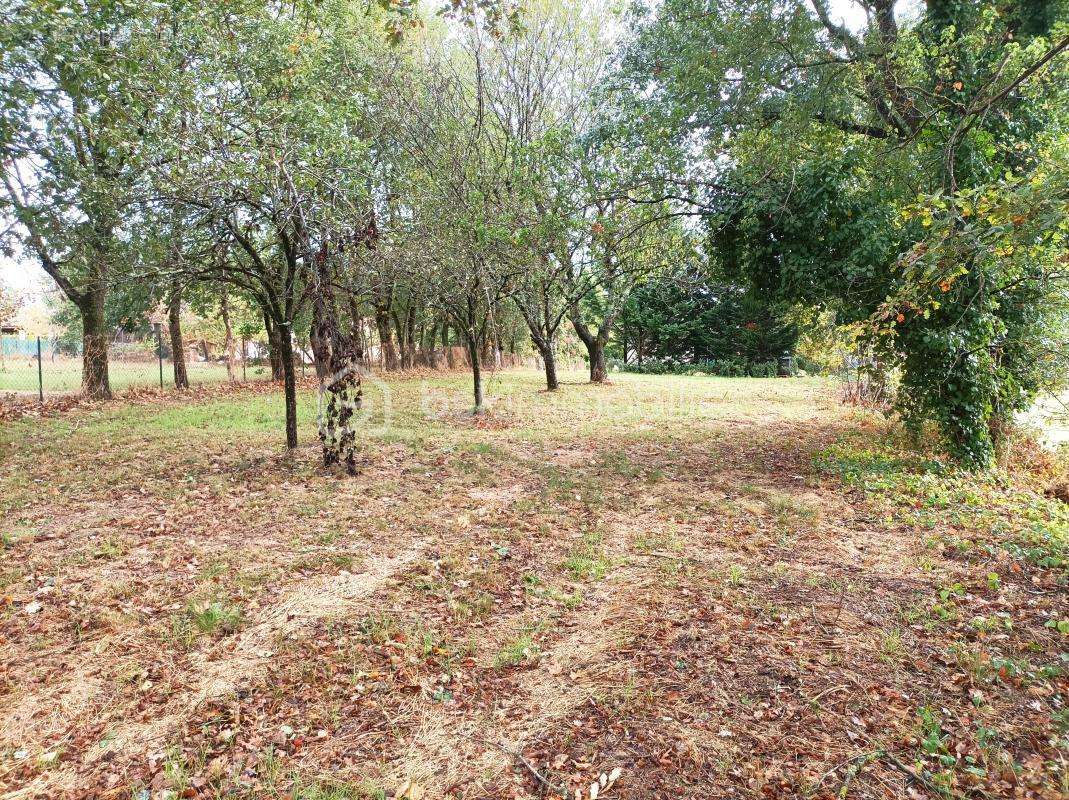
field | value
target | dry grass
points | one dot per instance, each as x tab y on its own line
727	588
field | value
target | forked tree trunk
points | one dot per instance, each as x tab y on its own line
95	381
174	327
595	346
405	326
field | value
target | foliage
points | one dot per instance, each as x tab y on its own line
722	367
834	167
690	319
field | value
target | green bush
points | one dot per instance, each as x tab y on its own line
721	367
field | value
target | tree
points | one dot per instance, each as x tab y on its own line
686	317
460	225
815	139
542	91
84	91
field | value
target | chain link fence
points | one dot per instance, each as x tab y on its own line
47	367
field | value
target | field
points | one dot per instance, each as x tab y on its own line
687	587
64	375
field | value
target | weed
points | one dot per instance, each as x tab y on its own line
379	628
110	547
891	648
586	560
522	648
336	790
736	575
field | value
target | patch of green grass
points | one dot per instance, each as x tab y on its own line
204	618
522	648
989	510
586	560
16	533
736	575
337	790
789	511
619	463
215	617
892	651
379	628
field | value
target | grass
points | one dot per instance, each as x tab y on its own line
522	648
738	576
64	375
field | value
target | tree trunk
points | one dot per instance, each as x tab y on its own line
448	350
405	326
596	354
274	348
389	354
318	339
340	395
595	346
95	382
289	375
476	371
228	341
174	328
430	355
549	362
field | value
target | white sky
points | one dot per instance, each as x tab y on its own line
27	278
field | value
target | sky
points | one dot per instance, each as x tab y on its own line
27	279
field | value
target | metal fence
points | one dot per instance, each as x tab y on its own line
44	366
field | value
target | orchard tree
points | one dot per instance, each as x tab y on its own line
86	89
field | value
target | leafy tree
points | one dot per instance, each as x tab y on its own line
86	88
686	318
815	143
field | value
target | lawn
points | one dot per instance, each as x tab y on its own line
682	586
64	375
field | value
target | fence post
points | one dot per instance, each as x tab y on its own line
159	351
40	373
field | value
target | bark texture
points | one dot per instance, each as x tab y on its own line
174	329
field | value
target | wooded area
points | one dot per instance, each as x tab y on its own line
495	168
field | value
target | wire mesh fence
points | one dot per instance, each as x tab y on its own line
45	366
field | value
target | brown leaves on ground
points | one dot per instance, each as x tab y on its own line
733	596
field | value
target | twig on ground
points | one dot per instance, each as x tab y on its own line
857	762
826	692
838	613
939	791
518	756
859	757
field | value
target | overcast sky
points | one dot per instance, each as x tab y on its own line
27	278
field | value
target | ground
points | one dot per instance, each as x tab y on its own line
700	587
18	374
